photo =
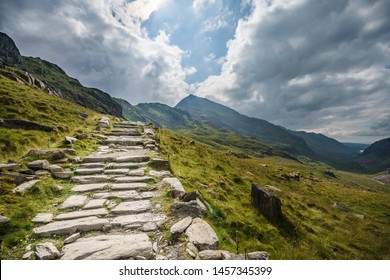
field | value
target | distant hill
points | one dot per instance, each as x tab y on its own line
376	157
51	78
226	118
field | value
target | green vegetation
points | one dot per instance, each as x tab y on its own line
28	103
313	229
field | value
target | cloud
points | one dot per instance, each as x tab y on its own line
309	65
103	44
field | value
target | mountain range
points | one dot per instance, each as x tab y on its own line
196	117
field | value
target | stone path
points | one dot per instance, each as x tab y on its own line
111	197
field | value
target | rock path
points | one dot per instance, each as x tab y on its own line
111	199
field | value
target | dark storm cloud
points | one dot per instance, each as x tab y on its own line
101	50
314	65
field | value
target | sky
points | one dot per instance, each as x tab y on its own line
318	66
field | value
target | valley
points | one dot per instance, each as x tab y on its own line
332	203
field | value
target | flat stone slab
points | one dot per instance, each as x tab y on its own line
146	195
147	217
122	171
25	186
89	171
82	214
124	140
137	172
160	174
90	179
109	247
43	218
132	159
130	186
71	226
202	235
132	207
92	165
89	187
128	165
99	158
181	225
95	203
74	201
72	238
125	195
131	179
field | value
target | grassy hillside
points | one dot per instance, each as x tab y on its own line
31	104
313	228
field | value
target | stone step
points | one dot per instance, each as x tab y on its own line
125	195
88	171
82	214
128	132
124	140
90	179
137	172
71	226
74	201
89	187
148	195
133	179
140	159
95	203
130	186
121	171
98	158
92	165
129	165
109	247
132	207
138	219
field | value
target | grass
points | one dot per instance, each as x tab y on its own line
29	103
312	229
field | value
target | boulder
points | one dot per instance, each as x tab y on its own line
176	187
181	225
25	186
104	122
185	209
259	255
202	235
70	140
66	174
55	168
28	255
210	255
3	220
46	251
82	136
268	204
54	155
40	164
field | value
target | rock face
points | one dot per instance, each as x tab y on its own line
268	204
109	247
46	251
202	235
9	53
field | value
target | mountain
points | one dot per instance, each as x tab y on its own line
376	157
331	151
228	119
51	78
160	114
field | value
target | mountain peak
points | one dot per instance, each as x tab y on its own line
9	53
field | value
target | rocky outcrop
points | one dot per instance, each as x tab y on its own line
268	204
25	186
22	124
9	53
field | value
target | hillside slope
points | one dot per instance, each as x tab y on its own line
376	157
51	78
